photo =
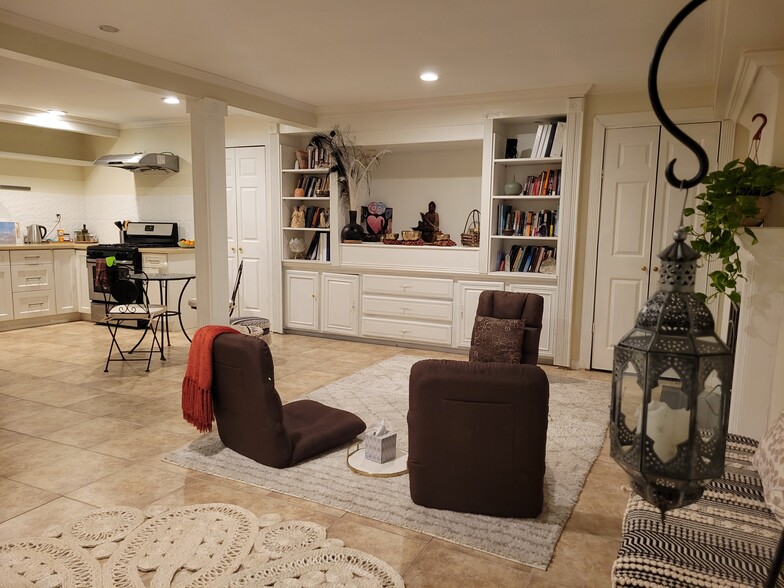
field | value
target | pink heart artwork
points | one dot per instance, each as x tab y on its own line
376	224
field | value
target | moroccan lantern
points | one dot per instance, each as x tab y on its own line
671	384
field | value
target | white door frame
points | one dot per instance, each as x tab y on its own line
600	124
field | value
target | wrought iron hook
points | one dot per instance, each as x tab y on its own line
658	109
758	135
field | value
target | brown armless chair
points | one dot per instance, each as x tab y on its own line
477	436
251	418
516	305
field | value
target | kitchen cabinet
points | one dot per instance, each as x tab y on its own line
65	281
467	298
82	282
340	296
179	261
302	300
32	277
6	289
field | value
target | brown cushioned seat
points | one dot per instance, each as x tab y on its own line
516	305
477	436
251	418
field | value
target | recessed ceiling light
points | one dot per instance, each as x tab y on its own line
109	29
171	100
55	112
429	76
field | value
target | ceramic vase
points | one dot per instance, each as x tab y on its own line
513	188
353	231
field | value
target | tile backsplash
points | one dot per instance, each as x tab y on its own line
97	212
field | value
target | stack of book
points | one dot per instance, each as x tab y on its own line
526	223
314	185
549	140
523	258
319	247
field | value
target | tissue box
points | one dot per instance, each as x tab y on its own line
380	448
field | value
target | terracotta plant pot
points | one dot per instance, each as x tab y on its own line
764	203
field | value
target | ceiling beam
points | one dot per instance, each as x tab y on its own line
158	76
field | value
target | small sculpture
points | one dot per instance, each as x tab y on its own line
298	217
429	223
297	247
324	219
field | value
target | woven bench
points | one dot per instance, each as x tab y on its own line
254	326
727	538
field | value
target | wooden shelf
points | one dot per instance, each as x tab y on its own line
527	197
316	170
527	238
529	161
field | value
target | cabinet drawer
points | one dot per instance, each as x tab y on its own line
407	308
32	304
406	286
31	256
28	278
419	332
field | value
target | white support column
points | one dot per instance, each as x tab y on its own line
208	152
756	385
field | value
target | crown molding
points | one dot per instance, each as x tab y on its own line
74	124
748	67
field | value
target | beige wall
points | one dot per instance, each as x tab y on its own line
39	141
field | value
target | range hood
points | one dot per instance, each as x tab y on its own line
142	162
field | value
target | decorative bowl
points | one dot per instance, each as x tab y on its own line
186	244
410	235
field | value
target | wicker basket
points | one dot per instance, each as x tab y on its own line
470	235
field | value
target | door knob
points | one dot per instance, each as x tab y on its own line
241	249
655	268
232	249
645	268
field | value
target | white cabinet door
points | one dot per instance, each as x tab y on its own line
6	287
82	282
467	296
546	341
339	312
65	281
302	300
246	199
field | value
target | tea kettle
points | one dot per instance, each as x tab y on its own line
36	233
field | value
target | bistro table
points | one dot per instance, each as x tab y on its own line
163	285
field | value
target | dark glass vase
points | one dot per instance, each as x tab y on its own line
353	231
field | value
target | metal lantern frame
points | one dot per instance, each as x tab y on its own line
672	348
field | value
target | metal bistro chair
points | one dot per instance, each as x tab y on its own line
193	302
126	300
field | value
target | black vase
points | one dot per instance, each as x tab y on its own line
353	231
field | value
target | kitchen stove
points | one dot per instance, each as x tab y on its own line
138	235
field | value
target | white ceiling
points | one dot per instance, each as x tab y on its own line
360	52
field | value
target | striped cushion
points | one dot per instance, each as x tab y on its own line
727	538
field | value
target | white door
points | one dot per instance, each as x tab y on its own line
467	296
247	220
638	213
339	296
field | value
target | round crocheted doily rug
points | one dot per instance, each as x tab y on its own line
204	545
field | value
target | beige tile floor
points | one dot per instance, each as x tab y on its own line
73	438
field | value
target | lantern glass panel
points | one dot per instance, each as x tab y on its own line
668	416
709	407
631	395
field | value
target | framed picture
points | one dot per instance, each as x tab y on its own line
377	219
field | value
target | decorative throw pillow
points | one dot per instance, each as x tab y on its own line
497	340
769	462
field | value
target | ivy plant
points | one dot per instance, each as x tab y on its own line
729	200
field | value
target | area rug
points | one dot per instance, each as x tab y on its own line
207	545
577	425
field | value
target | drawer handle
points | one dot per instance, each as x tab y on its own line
404	286
32	256
33	278
35	304
405	308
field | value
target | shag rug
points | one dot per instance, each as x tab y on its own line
578	422
209	545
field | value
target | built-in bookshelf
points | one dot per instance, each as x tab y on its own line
526	197
306	204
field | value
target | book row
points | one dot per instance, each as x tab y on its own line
547	183
526	223
549	140
523	258
319	247
312	158
313	186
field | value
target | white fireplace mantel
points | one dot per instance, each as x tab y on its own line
758	382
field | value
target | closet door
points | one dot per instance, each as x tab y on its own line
625	233
247	221
639	212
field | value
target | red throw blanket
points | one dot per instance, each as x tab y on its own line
197	384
